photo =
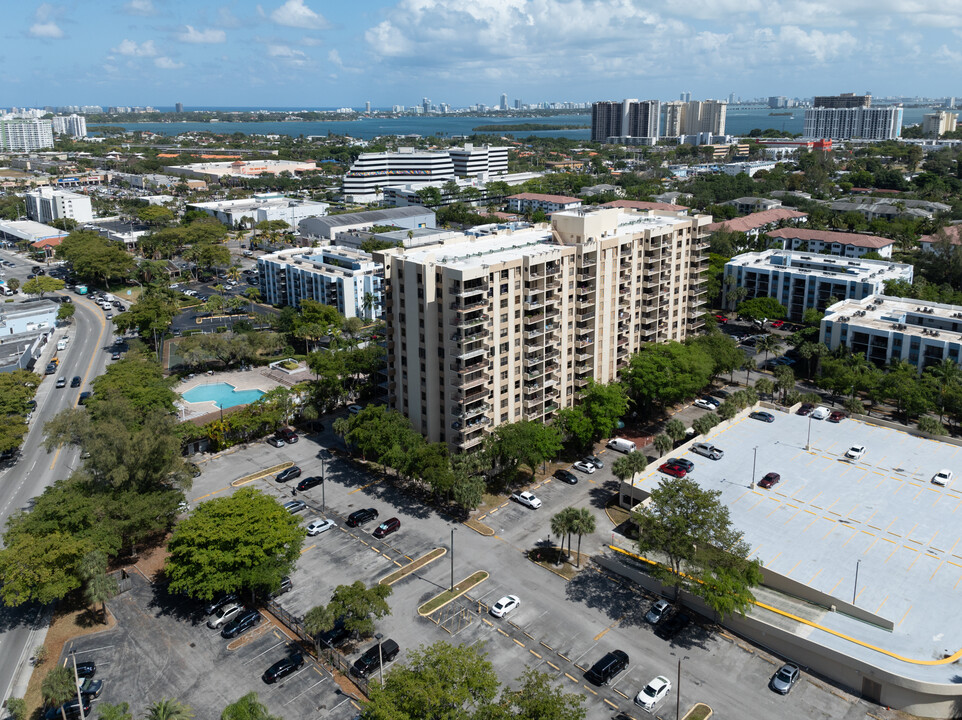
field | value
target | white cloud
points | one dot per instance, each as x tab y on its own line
294	13
139	7
209	36
283	51
310	41
335	58
49	30
165	63
132	49
226	18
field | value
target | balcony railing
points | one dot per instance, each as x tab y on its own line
470	305
472	350
474	411
464	290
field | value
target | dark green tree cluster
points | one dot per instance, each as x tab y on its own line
229	349
356	605
596	414
17	390
94	257
660	375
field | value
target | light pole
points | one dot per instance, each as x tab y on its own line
678	687
855	588
76	679
323	503
380	659
754	458
808	443
452	559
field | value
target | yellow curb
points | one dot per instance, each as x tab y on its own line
263	473
461	591
406	570
479	527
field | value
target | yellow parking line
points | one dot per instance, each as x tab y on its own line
308	548
534	653
552	665
502	632
570	678
793	569
610	703
518	642
813	577
879	608
363	487
832	591
936	569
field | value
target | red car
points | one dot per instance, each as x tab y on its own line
836	416
769	480
721	319
387	527
673	470
778	323
805	409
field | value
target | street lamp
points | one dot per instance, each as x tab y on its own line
323	503
76	679
678	687
808	443
857	563
452	559
754	458
380	659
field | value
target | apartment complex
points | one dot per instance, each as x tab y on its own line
621	121
266	206
890	328
845	100
695	117
801	281
939	123
524	202
46	205
25	134
344	278
72	125
499	328
473	160
853	123
853	245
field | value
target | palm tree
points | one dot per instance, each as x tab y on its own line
169	709
946	373
583	523
769	344
663	444
253	295
561	525
748	366
99	586
764	386
627	466
675	429
368	303
319	620
58	687
234	272
735	296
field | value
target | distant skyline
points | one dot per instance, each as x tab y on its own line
321	53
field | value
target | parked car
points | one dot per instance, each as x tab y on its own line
585	467
763	416
621	445
51	368
820	413
91	688
855	452
75	381
596	461
86	669
309	482
769	481
318	526
566	476
505	605
295	506
391	525
275	441
224	615
241	624
70	709
529	500
657	612
283	668
721	319
785	679
777	323
653	693
805	409
84	397
287	435
708	450
704	404
373	657
219	602
673	625
836	416
289	474
605	670
285	587
673	470
359	517
688	465
335	636
354	409
942	477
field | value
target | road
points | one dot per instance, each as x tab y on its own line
87	354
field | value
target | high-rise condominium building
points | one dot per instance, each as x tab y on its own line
939	123
46	205
179	107
694	117
25	134
504	101
72	125
853	123
628	118
845	100
495	329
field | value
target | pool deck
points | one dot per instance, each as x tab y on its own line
240	379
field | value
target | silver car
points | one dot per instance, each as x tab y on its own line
708	450
785	679
224	615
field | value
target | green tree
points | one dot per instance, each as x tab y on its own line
676	430
120	711
524	443
769	344
94	257
169	709
153	313
538	698
58	687
704	423
17	707
762	308
437	682
66	311
660	375
627	466
724	352
562	524
319	620
246	540
582	523
42	284
99	587
247	707
39	568
360	606
603	404
663	444
14	284
157	215
700	551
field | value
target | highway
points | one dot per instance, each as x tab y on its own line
86	355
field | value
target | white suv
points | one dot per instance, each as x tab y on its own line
224	615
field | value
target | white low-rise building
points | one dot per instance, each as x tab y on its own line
46	205
272	206
524	202
891	328
474	160
345	278
851	245
800	281
748	167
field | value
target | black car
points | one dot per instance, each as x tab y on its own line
667	629
91	688
288	474
309	482
682	463
51	369
86	669
75	382
241	624
763	416
335	636
373	656
283	668
217	603
603	671
359	517
71	709
566	476
84	397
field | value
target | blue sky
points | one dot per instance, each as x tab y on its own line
318	53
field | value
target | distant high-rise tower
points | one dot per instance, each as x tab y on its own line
694	117
179	107
685	96
845	100
504	101
518	104
426	105
731	98
367	107
628	118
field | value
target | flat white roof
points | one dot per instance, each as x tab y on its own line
828	266
486	250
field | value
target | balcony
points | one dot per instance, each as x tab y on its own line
551	354
471	441
474	365
474	380
553	283
550	408
552	311
582	382
472	350
474	411
533	303
469	305
473	320
552	268
588	260
531	361
584	277
584	342
533	334
583	356
478	392
531	405
468	289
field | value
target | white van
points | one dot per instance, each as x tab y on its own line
62	344
6	290
621	445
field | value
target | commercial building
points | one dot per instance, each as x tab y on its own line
128	233
46	205
326	228
28	231
72	125
214	171
372	172
852	245
622	121
474	160
845	100
951	234
27	317
259	208
891	328
887	208
800	281
939	123
548	204
748	167
344	278
25	134
853	123
694	117
755	224
505	327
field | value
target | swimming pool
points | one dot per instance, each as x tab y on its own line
224	395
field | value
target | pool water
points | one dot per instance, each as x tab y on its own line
224	395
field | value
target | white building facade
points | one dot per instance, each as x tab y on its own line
46	205
261	208
72	125
474	160
853	123
25	134
372	172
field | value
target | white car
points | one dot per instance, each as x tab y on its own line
704	404
527	499
855	452
224	615
505	605
942	477
318	526
584	467
820	413
653	693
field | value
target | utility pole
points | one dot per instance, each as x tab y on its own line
76	679
452	559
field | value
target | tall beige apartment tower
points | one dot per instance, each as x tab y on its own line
499	328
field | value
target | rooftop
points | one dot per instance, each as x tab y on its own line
642	205
561	199
487	250
757	220
855	269
910	317
828	236
952	232
29	230
385	216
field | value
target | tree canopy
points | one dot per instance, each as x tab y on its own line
663	374
94	257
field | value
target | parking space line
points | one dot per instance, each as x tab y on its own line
939	567
518	642
547	646
832	591
364	487
102	647
534	653
879	608
570	678
552	665
282	642
503	632
304	550
793	569
305	691
593	692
